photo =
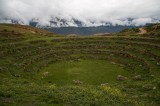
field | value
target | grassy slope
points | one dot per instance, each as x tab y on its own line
153	30
26	53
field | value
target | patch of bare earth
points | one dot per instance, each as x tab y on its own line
142	31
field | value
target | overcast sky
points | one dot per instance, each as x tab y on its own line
87	11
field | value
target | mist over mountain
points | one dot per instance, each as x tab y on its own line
58	22
61	26
82	17
78	13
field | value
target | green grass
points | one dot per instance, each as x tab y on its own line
94	72
23	92
25	57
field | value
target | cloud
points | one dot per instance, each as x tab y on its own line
89	12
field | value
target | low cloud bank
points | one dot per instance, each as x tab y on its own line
88	12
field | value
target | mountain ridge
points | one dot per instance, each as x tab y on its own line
77	27
88	30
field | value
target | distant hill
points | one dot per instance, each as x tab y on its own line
151	30
87	30
23	30
25	27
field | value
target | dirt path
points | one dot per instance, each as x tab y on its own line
142	31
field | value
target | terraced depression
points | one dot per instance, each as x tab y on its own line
41	68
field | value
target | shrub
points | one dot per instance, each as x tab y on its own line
13	31
5	30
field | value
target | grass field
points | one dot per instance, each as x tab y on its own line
39	68
93	72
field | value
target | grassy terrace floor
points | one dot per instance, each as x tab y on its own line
93	72
40	68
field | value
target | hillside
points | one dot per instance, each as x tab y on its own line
40	68
150	30
88	30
